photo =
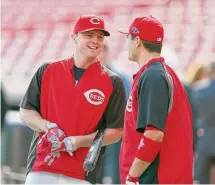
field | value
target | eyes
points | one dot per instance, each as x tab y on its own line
129	36
99	37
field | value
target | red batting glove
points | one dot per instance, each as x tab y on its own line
65	145
55	136
58	139
132	180
55	140
52	140
50	158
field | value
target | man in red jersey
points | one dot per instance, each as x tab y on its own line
157	136
66	103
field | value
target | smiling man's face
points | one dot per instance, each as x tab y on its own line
90	43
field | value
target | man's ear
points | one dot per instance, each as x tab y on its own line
74	38
138	41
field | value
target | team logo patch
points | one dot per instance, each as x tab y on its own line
95	20
94	96
135	30
129	104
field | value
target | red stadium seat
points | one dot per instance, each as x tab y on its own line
35	31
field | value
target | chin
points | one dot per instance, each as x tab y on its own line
131	58
92	56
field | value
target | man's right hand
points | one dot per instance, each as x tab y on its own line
55	136
52	139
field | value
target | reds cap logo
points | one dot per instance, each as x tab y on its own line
94	96
95	20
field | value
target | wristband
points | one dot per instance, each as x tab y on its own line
132	179
148	149
51	125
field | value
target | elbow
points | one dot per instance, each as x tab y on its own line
159	137
21	115
24	115
117	134
156	135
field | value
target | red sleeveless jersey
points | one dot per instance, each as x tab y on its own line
176	156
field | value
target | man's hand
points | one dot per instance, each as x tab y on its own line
52	139
55	136
132	180
68	145
72	143
50	158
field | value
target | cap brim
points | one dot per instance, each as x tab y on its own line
123	30
106	33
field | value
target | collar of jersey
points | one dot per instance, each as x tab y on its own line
160	59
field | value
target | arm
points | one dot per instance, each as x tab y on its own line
153	101
33	119
30	105
114	113
139	166
111	136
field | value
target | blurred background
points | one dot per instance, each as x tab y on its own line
36	31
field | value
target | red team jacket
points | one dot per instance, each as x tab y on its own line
176	156
71	110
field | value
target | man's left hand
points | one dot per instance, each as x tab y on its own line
68	144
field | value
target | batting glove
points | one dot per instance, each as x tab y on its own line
52	139
58	139
50	158
55	136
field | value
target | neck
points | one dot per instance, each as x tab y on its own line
82	62
145	57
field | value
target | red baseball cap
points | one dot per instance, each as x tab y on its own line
147	28
90	22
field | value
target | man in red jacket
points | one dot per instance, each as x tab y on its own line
157	136
66	103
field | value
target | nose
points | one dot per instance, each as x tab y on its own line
95	39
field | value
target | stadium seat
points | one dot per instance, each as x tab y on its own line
36	31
